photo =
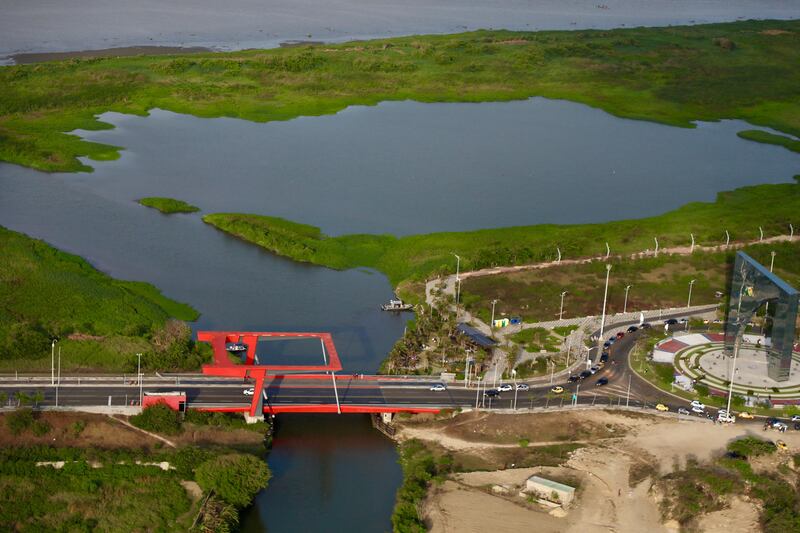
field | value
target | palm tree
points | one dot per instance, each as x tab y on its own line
38	397
3	399
22	398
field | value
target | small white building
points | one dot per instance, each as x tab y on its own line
551	491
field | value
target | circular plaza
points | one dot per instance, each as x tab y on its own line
701	358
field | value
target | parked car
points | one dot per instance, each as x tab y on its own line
604	357
797	426
600	365
781	445
662	407
594	369
439	387
632	329
492	393
670	321
726	418
698	410
573	379
585	374
683	320
557	389
600	382
646	325
795	418
620	334
698	403
523	386
249	392
505	387
606	345
745	414
683	411
612	340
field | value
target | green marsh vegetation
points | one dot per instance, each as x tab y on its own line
771	138
417	257
674	75
656	282
101	322
168	206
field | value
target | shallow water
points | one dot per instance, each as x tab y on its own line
63	25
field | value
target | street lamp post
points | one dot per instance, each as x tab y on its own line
561	310
766	306
605	299
625	305
689	301
458	280
139	372
53	362
491	323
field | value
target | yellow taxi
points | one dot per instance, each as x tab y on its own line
557	390
662	407
781	445
745	414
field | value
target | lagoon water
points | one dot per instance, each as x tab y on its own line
399	167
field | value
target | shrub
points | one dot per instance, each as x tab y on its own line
524	443
702	390
40	428
751	447
158	418
235	478
77	427
19	421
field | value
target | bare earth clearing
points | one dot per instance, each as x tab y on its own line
621	450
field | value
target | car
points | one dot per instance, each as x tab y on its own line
620	334
492	393
797	426
523	386
683	411
683	320
632	329
646	325
249	392
439	387
612	340
699	410
505	387
795	418
698	403
781	445
745	414
600	364
600	382
573	379
585	374
557	389
726	418
661	407
594	369
606	344
670	322
604	357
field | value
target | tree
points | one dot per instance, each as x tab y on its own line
236	478
22	398
159	418
37	398
3	398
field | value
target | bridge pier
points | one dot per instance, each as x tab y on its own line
387	418
252	419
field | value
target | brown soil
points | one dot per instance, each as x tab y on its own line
775	32
84	337
99	431
211	436
23	59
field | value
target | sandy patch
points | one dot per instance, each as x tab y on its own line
775	32
740	516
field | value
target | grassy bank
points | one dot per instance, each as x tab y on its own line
168	206
101	321
770	138
655	283
111	479
417	257
675	75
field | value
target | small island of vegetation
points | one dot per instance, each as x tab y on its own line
168	206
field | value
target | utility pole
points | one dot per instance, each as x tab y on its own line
625	306
58	383
605	299
689	301
477	393
491	324
458	281
139	372
514	377
561	311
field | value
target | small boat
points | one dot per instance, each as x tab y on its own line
236	347
397	305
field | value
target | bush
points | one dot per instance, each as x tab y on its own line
40	428
235	478
19	420
702	390
751	447
158	418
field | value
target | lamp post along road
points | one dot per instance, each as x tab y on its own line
625	305
689	301
491	323
139	373
458	280
737	342
605	299
561	310
53	362
766	306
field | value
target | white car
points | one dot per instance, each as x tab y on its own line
697	403
249	392
724	417
438	388
505	387
697	409
523	386
795	418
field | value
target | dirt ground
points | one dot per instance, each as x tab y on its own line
603	469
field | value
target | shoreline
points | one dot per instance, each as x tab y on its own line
27	58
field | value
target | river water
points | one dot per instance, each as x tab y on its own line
399	167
